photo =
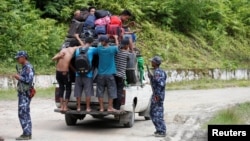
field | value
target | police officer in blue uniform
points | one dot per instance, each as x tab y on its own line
25	79
158	82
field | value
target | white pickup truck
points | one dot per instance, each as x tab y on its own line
135	100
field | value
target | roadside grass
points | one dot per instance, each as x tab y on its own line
238	114
207	84
11	94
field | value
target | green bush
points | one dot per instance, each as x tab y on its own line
186	33
23	29
238	114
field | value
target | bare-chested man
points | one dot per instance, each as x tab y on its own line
63	59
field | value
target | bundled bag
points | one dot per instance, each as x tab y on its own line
131	70
115	20
103	21
101	25
115	26
74	27
114	30
100	29
102	13
90	22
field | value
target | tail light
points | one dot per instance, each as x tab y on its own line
57	98
123	97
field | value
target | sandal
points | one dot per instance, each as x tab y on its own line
88	110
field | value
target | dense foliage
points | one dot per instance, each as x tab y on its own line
23	29
186	33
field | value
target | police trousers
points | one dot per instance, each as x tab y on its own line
24	112
157	116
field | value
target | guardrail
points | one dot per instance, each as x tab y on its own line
177	75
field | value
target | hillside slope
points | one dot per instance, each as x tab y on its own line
187	34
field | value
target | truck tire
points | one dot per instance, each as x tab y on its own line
132	69
70	119
132	119
146	112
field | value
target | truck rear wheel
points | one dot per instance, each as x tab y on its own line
131	118
70	119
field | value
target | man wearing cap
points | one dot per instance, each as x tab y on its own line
106	72
25	80
121	60
158	81
85	82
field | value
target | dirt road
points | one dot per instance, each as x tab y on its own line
185	111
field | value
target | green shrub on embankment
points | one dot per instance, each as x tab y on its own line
238	114
186	33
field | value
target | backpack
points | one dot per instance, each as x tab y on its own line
115	20
115	26
90	22
114	30
82	63
102	13
100	29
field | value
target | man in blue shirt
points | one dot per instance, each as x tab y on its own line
106	71
85	82
25	80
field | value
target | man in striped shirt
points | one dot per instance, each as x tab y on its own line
121	60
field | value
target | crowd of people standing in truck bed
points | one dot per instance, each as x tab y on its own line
95	33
